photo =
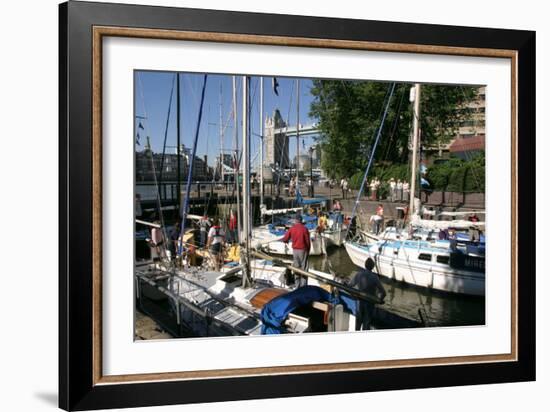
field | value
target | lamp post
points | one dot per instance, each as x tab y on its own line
311	150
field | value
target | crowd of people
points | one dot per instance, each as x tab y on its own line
395	190
211	237
399	190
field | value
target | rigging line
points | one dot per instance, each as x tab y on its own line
207	204
395	124
192	90
250	123
285	141
323	99
391	90
185	206
380	114
346	91
225	124
159	203
166	132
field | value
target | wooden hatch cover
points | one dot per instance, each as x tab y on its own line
266	295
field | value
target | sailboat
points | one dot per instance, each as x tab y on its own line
443	265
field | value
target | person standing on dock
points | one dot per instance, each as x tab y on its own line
292	186
366	281
344	185
393	189
216	237
232	227
173	235
157	241
204	225
337	213
377	219
406	191
309	187
301	244
374	188
399	187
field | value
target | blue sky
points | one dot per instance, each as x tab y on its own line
152	98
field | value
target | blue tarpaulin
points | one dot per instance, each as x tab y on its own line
310	222
275	312
301	201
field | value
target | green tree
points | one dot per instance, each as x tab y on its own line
349	114
458	175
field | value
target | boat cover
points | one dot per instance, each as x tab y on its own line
275	312
310	222
301	201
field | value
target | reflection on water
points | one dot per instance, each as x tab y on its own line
440	309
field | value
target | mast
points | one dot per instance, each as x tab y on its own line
185	206
246	185
236	150
221	135
178	132
261	141
373	151
297	133
414	96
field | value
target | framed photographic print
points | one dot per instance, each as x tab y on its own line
257	205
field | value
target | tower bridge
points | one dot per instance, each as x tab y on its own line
305	130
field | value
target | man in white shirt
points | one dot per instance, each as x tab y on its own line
204	225
393	190
157	241
399	188
216	238
344	185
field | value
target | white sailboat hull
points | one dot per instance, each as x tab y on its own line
334	237
427	275
268	241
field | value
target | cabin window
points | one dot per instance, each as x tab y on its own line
425	256
443	259
231	278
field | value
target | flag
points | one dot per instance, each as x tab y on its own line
137	140
275	84
140	126
304	144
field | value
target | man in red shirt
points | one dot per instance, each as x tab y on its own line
301	243
233	238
